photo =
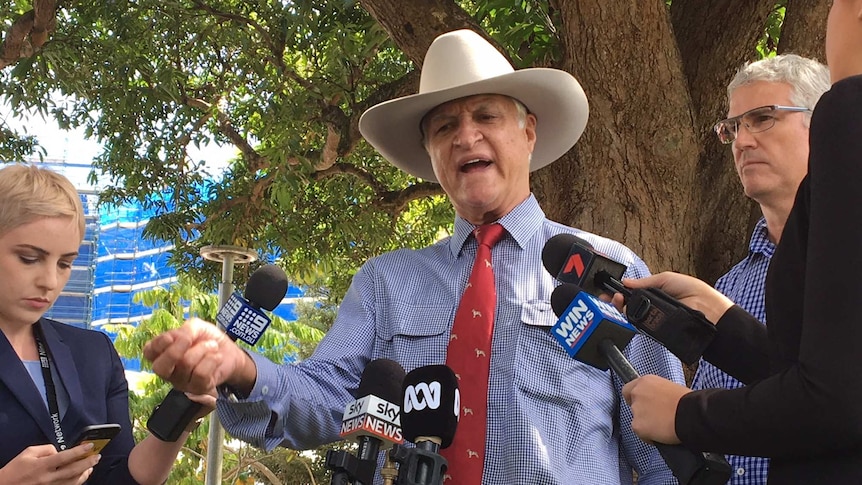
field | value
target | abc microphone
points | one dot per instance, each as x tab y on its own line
241	318
432	404
680	329
592	331
373	419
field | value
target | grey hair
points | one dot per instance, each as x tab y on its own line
808	78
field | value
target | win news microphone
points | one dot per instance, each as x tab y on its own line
373	420
592	331
680	329
432	404
241	318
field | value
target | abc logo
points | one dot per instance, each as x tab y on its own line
422	395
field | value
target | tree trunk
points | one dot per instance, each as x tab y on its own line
804	29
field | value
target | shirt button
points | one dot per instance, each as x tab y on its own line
740	471
265	390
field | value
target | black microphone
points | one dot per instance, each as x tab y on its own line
429	416
592	332
241	318
680	329
373	419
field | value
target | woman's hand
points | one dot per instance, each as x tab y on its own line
687	289
653	401
43	464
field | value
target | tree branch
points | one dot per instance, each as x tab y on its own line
29	32
254	159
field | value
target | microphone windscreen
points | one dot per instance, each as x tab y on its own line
557	250
382	378
266	287
562	296
432	404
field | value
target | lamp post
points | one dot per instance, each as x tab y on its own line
228	256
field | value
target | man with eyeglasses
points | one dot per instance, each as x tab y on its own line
770	105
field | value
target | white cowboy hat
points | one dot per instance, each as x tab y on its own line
462	63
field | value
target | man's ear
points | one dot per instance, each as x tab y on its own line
530	130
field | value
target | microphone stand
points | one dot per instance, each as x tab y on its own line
388	471
421	465
347	469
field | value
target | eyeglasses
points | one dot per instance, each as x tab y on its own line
755	121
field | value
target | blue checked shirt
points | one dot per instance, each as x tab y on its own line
551	419
745	284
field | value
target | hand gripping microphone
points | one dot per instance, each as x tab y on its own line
592	331
373	419
241	318
680	329
432	404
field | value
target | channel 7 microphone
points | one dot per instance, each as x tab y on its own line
592	331
373	420
432	405
241	318
682	330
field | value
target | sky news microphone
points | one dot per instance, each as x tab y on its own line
680	329
373	420
592	331
242	318
429	415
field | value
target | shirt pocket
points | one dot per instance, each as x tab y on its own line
415	335
545	371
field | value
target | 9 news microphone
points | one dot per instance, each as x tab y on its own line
680	329
241	318
592	331
373	420
432	404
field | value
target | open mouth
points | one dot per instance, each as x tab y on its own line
477	164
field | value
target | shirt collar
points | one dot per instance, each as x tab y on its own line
760	242
521	223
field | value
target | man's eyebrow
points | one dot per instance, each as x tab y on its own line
437	116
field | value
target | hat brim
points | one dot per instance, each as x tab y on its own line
554	96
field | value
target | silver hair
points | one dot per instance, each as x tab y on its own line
808	78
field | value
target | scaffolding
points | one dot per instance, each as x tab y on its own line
115	261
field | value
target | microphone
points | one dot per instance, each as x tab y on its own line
373	419
588	327
571	259
680	329
590	331
432	404
242	318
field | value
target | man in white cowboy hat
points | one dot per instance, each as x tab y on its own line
479	128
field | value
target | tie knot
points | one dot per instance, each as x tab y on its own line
489	234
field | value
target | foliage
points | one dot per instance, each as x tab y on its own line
282	82
528	28
768	44
282	341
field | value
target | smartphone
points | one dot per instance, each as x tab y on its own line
98	434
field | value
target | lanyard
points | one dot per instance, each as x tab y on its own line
50	391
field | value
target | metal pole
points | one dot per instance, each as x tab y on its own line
215	439
228	256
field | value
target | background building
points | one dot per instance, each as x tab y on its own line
115	261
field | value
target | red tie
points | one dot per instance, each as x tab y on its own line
469	356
